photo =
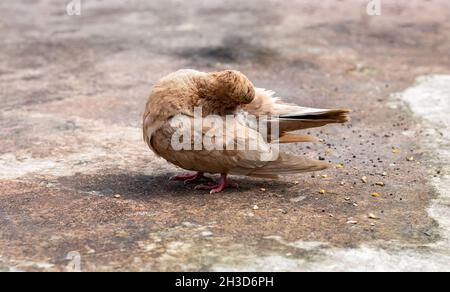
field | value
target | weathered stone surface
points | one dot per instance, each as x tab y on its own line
72	91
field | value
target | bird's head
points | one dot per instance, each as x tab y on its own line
231	87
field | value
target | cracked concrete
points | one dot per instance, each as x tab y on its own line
75	174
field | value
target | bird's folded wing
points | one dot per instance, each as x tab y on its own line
233	149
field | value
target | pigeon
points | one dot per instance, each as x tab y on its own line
221	115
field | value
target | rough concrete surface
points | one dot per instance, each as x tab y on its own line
76	176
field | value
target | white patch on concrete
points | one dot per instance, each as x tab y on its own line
274	263
21	265
206	233
304	245
96	146
429	99
363	258
409	134
11	167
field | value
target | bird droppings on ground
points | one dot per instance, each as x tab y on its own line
298	199
206	233
372	216
71	139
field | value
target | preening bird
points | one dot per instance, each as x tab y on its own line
239	109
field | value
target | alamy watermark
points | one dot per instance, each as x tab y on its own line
237	132
374	8
74	8
74	259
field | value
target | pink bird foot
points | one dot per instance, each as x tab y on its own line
217	188
191	178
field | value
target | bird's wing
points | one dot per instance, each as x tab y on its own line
292	117
238	150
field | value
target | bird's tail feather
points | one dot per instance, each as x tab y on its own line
312	118
336	115
294	138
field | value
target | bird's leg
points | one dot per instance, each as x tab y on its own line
217	188
191	178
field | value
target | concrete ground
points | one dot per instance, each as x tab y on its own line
77	181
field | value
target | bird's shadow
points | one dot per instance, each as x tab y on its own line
146	187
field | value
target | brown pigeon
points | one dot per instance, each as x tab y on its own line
221	115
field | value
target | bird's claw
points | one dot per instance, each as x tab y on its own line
183	177
211	186
190	178
197	179
216	188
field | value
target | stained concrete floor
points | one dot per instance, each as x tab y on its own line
75	175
